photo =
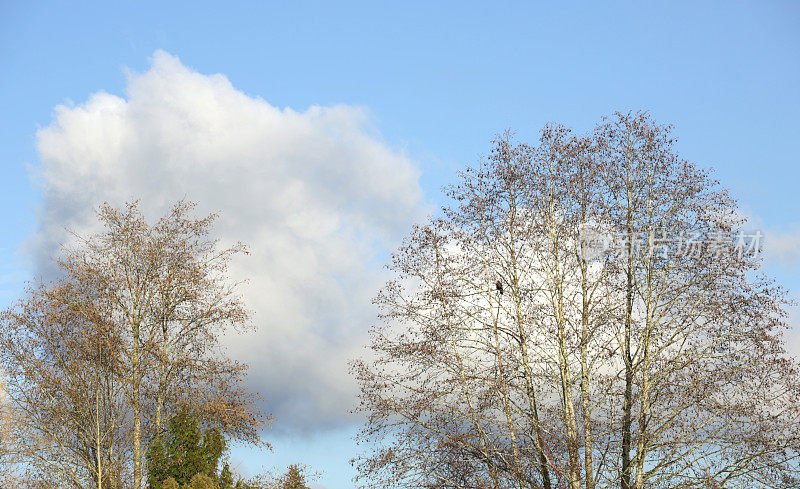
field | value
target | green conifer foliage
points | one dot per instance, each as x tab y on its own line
184	451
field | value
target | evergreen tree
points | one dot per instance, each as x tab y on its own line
184	451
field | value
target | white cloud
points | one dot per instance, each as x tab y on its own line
782	248
314	194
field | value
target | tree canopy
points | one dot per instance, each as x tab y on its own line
184	451
586	312
96	360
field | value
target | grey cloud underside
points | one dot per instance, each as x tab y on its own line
314	194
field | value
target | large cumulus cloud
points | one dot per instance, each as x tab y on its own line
315	194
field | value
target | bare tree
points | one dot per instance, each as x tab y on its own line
609	354
61	389
130	333
10	445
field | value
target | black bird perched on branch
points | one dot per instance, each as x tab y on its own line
499	286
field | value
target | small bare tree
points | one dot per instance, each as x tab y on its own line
130	333
62	390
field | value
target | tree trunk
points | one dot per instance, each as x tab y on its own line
625	481
585	404
137	411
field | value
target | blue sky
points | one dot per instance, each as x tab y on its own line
427	84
